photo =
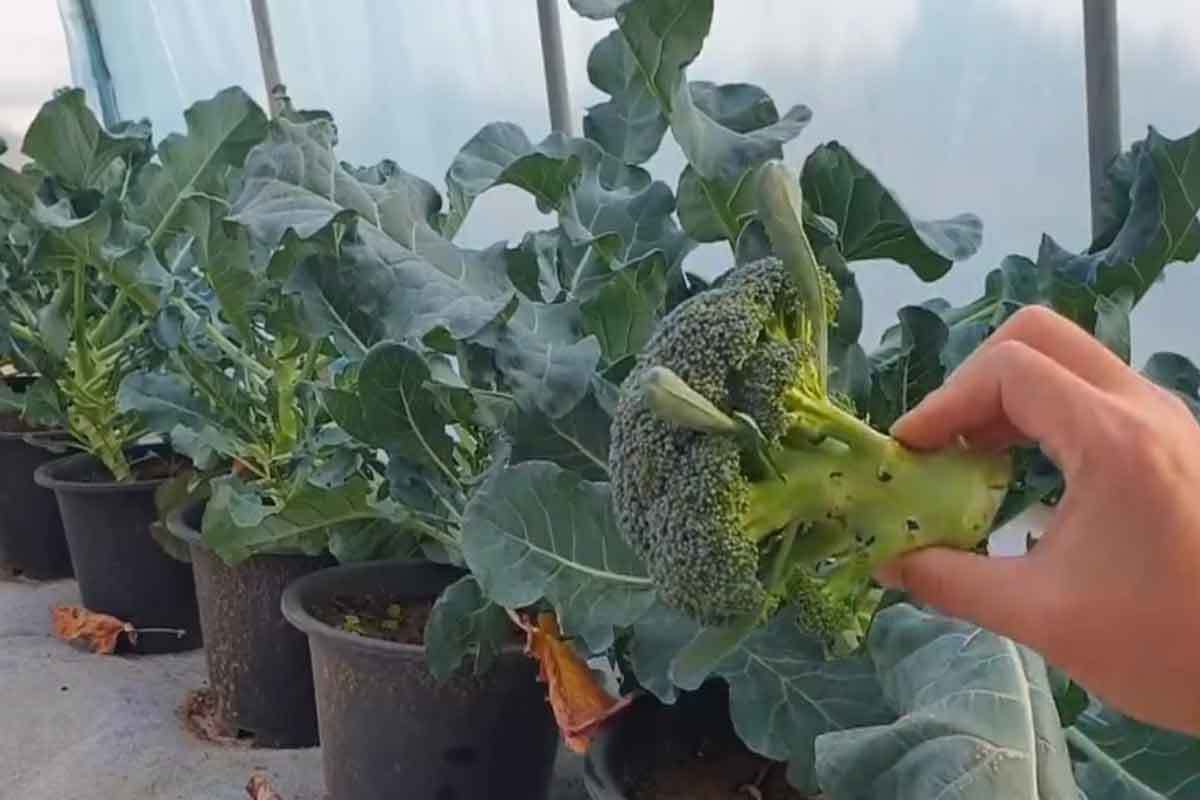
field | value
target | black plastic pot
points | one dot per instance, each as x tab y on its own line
258	665
389	729
635	743
32	543
121	569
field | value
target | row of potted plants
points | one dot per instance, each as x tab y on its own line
273	361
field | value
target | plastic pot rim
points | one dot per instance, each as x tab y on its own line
46	477
308	624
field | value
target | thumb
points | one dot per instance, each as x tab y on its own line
1000	594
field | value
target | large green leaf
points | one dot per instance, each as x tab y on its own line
1177	373
501	154
907	365
629	124
784	694
101	240
465	624
545	357
420	281
222	249
624	311
1160	228
393	407
166	404
872	224
783	691
536	530
69	143
294	182
978	719
664	37
220	132
237	524
1118	758
708	211
597	9
577	441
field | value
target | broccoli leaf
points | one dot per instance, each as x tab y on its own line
1161	227
465	624
577	441
67	141
536	530
167	405
1118	758
392	407
907	365
978	718
501	154
597	9
722	143
625	310
221	131
785	693
1112	321
871	223
237	524
629	124
1177	373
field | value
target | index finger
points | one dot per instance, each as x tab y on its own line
1009	386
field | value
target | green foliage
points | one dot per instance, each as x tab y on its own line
353	379
970	705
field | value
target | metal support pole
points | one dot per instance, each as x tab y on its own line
266	54
554	65
86	49
1103	94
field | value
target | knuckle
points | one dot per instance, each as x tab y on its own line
1029	321
1011	354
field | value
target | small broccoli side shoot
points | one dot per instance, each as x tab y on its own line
744	486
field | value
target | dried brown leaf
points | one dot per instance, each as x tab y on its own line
580	703
203	719
259	788
92	630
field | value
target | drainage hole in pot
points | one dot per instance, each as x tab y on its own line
376	617
460	756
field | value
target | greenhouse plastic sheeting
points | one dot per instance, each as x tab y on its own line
928	92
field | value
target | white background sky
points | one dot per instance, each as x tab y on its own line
33	63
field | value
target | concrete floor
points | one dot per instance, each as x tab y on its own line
85	727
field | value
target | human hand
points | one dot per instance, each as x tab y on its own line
1110	594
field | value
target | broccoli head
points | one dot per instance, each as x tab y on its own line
744	485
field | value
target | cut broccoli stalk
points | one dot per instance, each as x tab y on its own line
744	486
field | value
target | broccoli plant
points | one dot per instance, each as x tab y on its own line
744	407
80	285
744	484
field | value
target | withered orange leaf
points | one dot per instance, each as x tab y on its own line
580	703
259	788
204	719
93	630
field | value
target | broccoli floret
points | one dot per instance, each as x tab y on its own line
744	485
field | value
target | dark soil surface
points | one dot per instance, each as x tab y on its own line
377	617
715	768
149	468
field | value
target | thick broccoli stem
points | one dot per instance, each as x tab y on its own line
860	489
